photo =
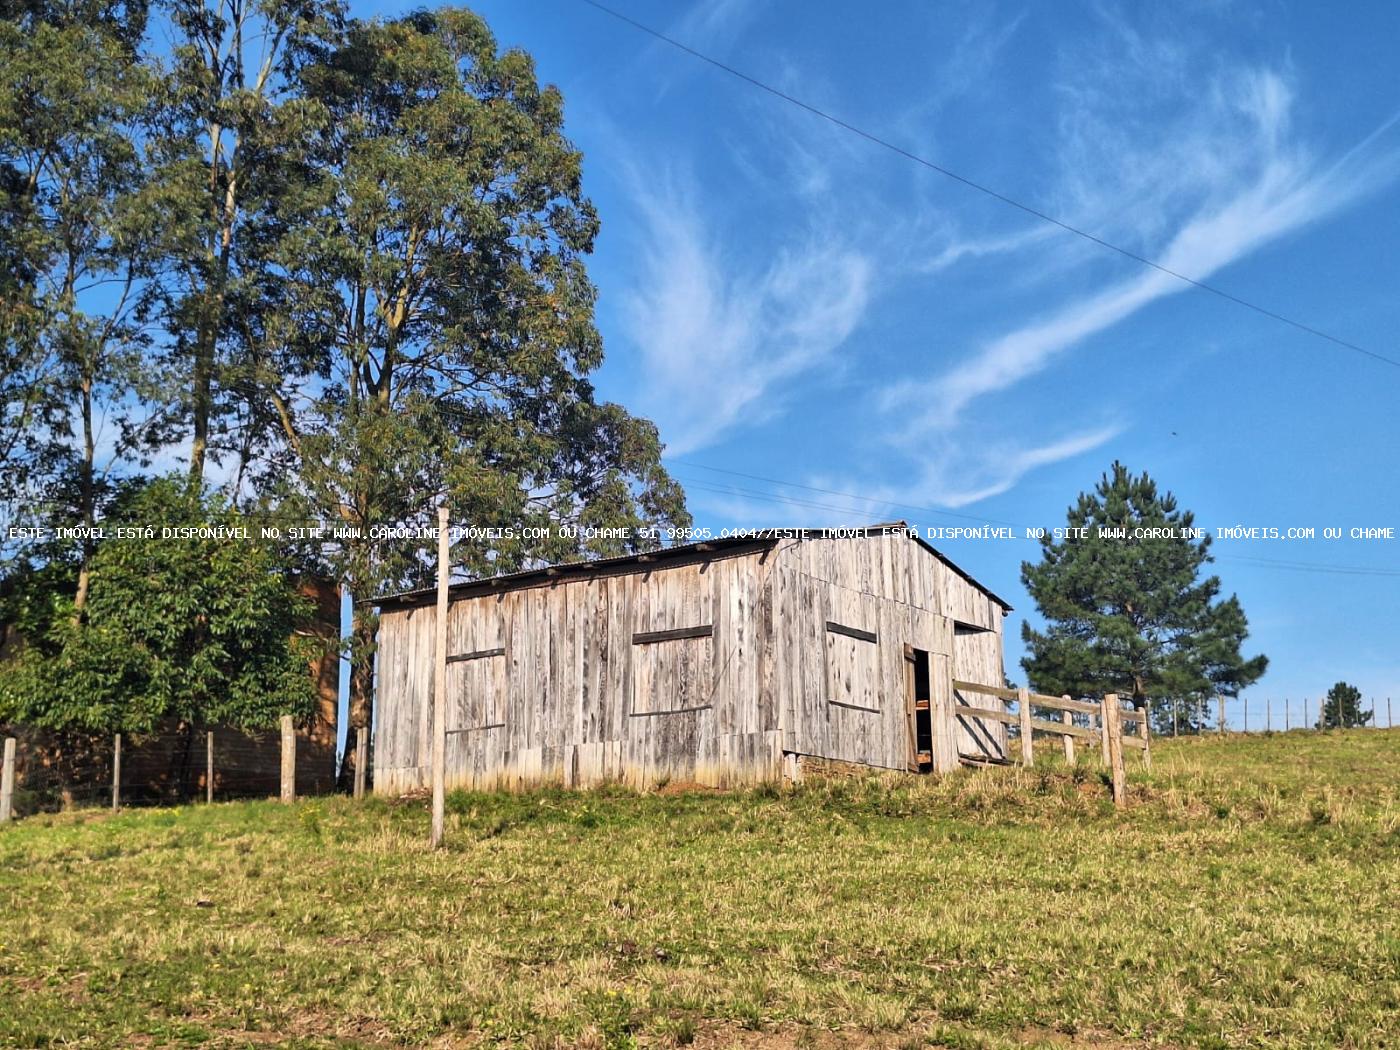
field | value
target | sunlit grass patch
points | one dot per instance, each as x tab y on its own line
1245	897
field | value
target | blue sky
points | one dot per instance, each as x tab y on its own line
789	301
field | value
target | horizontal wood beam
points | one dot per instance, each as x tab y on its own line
1059	703
1006	717
647	637
1042	725
480	654
850	632
987	690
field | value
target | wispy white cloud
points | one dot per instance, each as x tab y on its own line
1276	189
715	335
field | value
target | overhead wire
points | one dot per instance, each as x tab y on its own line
994	194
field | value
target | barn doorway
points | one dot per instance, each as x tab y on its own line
919	706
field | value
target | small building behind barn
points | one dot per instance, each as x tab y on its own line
726	662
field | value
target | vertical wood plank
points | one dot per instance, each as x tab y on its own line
361	760
7	781
117	773
289	760
1068	719
1145	735
209	766
1220	700
1023	703
439	740
1103	734
1113	731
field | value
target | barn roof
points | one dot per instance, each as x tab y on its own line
645	561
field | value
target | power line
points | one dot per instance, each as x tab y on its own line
988	191
792	501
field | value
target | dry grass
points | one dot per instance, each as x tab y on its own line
1248	897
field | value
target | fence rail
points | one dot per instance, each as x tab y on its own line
1106	719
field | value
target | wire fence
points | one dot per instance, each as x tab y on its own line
1245	714
45	772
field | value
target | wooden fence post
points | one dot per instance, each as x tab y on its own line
1023	702
1068	719
1307	714
1103	734
289	760
439	751
361	756
1220	699
1145	735
1113	732
209	767
7	781
1246	714
116	772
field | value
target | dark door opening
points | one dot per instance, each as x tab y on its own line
920	703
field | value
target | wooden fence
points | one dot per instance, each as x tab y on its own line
1102	729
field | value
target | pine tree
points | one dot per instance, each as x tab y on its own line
1127	608
1342	708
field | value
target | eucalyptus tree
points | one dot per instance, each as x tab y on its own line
435	262
228	149
75	238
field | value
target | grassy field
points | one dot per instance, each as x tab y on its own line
1250	896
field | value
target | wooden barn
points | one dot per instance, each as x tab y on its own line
725	662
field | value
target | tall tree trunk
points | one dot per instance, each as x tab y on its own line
88	495
361	713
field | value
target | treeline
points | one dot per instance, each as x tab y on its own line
323	268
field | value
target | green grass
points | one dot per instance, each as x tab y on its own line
1249	896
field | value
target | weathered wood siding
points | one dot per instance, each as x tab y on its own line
574	696
705	671
846	697
977	657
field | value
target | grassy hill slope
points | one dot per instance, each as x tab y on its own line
1249	896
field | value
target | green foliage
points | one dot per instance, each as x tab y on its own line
1342	708
193	628
1132	613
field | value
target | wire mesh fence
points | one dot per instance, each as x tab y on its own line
49	772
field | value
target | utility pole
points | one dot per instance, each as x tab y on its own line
440	681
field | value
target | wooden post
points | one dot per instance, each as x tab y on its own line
1113	732
1145	735
1220	699
7	781
116	772
1176	707
945	746
1103	734
361	755
1307	714
1023	702
289	760
1068	719
209	767
440	681
1246	714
